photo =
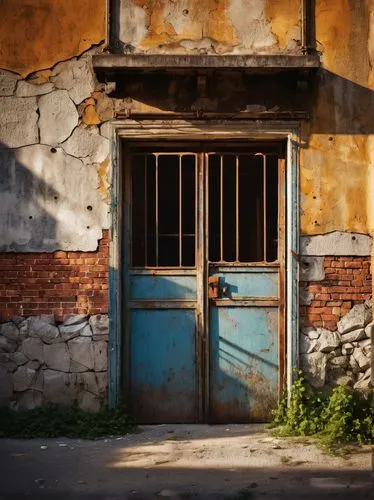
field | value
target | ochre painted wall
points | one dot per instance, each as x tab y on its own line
337	185
36	34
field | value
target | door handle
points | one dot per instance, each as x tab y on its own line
215	290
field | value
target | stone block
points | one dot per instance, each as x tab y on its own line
88	402
29	400
86	142
369	330
58	117
32	348
76	77
23	378
8	82
86	332
85	382
6	385
312	269
26	89
6	345
311	333
74	319
58	388
347	349
57	356
102	384
314	367
341	361
305	296
47	332
38	385
81	352
307	345
358	317
364	384
99	324
69	332
100	355
353	336
354	365
361	359
328	341
18	121
10	331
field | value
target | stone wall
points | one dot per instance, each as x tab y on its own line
65	363
56	283
341	356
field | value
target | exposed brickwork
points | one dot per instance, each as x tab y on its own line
347	282
54	283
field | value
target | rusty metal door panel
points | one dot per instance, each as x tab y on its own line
239	282
162	287
244	363
163	366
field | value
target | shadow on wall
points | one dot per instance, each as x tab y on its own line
25	221
36	277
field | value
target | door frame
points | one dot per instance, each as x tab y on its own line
204	131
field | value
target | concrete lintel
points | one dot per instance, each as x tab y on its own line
175	62
337	243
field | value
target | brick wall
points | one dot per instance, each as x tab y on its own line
347	282
54	283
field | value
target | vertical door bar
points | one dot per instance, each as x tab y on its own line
200	284
180	210
156	209
221	208
264	207
237	207
145	211
281	259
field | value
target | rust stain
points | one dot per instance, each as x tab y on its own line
284	16
38	34
102	170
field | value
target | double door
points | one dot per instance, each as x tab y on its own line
203	272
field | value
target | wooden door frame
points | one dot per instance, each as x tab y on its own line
204	131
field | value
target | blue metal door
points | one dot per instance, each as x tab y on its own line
245	259
203	266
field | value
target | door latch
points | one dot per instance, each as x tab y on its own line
213	287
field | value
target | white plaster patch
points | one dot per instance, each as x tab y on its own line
132	22
76	77
18	121
253	29
336	243
86	142
8	82
43	210
58	117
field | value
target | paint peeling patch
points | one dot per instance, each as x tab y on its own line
102	170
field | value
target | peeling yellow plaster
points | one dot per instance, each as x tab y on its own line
284	16
102	170
39	33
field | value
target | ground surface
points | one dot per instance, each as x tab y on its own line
182	461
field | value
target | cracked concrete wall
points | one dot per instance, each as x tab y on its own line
210	26
54	168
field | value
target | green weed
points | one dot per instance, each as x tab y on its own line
55	421
336	418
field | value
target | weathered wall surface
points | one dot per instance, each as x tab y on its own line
208	26
37	34
337	183
53	159
64	363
